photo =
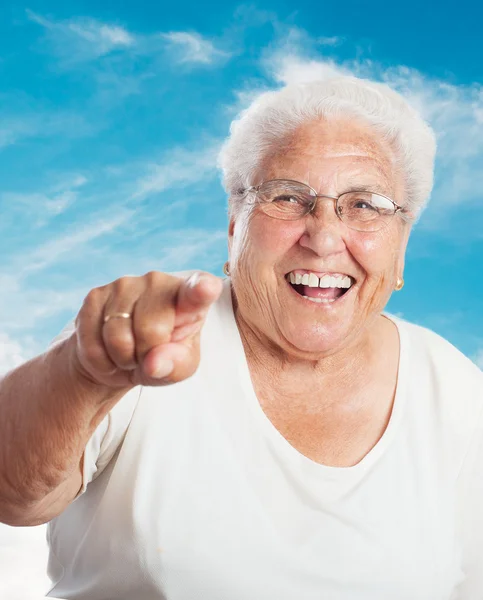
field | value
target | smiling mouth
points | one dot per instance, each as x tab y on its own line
324	288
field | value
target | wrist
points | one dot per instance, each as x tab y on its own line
79	379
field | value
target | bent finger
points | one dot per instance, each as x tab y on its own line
195	296
171	362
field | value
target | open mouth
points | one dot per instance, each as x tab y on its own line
325	288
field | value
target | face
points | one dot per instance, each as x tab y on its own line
332	157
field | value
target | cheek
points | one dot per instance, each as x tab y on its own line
273	237
377	256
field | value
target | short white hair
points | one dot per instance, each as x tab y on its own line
275	115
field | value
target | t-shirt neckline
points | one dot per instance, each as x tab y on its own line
290	453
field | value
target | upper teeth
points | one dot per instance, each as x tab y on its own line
324	281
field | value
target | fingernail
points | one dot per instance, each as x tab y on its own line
193	280
163	367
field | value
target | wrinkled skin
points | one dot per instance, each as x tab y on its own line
332	157
324	374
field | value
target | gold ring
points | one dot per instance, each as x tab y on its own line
117	315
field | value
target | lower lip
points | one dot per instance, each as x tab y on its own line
321	305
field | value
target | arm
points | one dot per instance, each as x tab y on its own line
50	406
48	414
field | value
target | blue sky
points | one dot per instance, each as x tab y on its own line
111	117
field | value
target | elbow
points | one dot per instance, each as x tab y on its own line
16	516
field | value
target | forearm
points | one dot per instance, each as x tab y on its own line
47	415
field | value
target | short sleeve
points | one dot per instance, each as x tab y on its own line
110	432
64	334
107	438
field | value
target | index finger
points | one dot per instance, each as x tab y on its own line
195	296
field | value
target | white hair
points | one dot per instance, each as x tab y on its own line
275	115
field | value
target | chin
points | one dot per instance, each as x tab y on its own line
319	339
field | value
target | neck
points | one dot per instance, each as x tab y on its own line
328	378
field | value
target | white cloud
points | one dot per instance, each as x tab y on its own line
23	307
28	124
454	111
32	307
193	48
290	69
71	182
60	248
105	37
38	208
36	280
60	202
79	40
189	246
181	167
330	41
12	130
12	354
86	38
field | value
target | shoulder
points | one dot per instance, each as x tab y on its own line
448	382
439	353
445	393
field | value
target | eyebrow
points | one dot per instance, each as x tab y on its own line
377	188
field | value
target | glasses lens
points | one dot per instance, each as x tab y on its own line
365	211
286	200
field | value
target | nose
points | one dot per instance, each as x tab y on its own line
324	231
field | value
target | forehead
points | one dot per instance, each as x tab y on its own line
340	149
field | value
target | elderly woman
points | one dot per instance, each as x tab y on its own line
275	435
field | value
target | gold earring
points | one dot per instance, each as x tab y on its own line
399	284
226	269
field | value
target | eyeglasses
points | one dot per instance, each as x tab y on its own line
291	200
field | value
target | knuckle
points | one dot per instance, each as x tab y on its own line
152	275
93	354
93	297
154	278
84	312
121	341
125	284
156	331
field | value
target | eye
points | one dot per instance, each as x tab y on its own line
359	202
363	205
289	198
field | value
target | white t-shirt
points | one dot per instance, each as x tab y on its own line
190	492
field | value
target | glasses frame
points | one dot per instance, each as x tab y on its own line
315	196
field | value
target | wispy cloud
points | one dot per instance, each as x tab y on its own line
180	167
60	249
87	38
185	247
80	40
191	47
12	352
97	211
38	208
454	111
19	122
330	41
